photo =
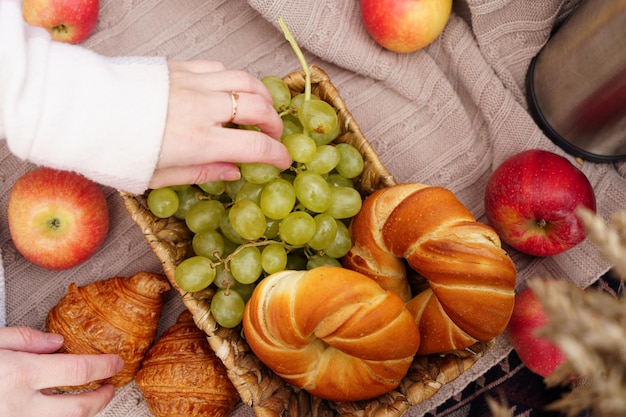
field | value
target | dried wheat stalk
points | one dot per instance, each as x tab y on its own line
610	239
499	407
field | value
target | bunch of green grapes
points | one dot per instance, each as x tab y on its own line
269	220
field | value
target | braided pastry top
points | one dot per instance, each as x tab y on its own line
471	278
331	331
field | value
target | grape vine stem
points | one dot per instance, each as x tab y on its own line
300	56
225	261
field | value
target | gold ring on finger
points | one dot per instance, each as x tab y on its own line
234	96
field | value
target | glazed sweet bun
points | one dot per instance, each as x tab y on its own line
471	279
331	331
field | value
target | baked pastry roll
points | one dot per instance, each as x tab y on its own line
118	315
181	376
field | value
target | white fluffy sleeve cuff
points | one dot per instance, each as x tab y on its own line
69	108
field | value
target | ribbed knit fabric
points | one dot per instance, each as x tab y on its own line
446	115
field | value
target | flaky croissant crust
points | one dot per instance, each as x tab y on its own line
118	315
471	278
182	377
331	331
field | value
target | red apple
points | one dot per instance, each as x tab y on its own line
531	200
538	354
70	21
405	25
57	219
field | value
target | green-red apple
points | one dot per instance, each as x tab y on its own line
538	354
57	219
405	25
530	201
70	21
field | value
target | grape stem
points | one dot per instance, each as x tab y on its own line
225	261
300	56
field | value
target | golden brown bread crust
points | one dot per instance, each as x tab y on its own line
369	254
331	331
471	278
181	376
118	315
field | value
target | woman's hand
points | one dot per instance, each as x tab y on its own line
197	147
28	371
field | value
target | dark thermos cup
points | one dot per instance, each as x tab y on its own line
577	83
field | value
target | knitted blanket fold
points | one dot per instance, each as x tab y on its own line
446	115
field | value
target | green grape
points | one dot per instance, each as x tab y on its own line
326	137
301	147
250	191
336	180
271	228
297	228
342	243
227	308
288	176
291	124
163	202
249	127
312	191
325	160
317	116
277	199
181	187
229	246
209	243
259	172
244	290
298	99
281	96
227	229
346	202
245	265
247	219
273	258
213	187
223	277
350	162
325	231
296	262
205	215
186	198
194	274
233	187
321	260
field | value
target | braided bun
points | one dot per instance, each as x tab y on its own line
471	278
331	331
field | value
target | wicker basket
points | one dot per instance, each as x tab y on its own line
258	386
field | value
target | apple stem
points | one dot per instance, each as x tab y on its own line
541	223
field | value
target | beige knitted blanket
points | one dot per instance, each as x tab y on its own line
446	115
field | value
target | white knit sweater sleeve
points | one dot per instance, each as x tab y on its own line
67	107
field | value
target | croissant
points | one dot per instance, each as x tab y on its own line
331	331
117	315
471	279
181	376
